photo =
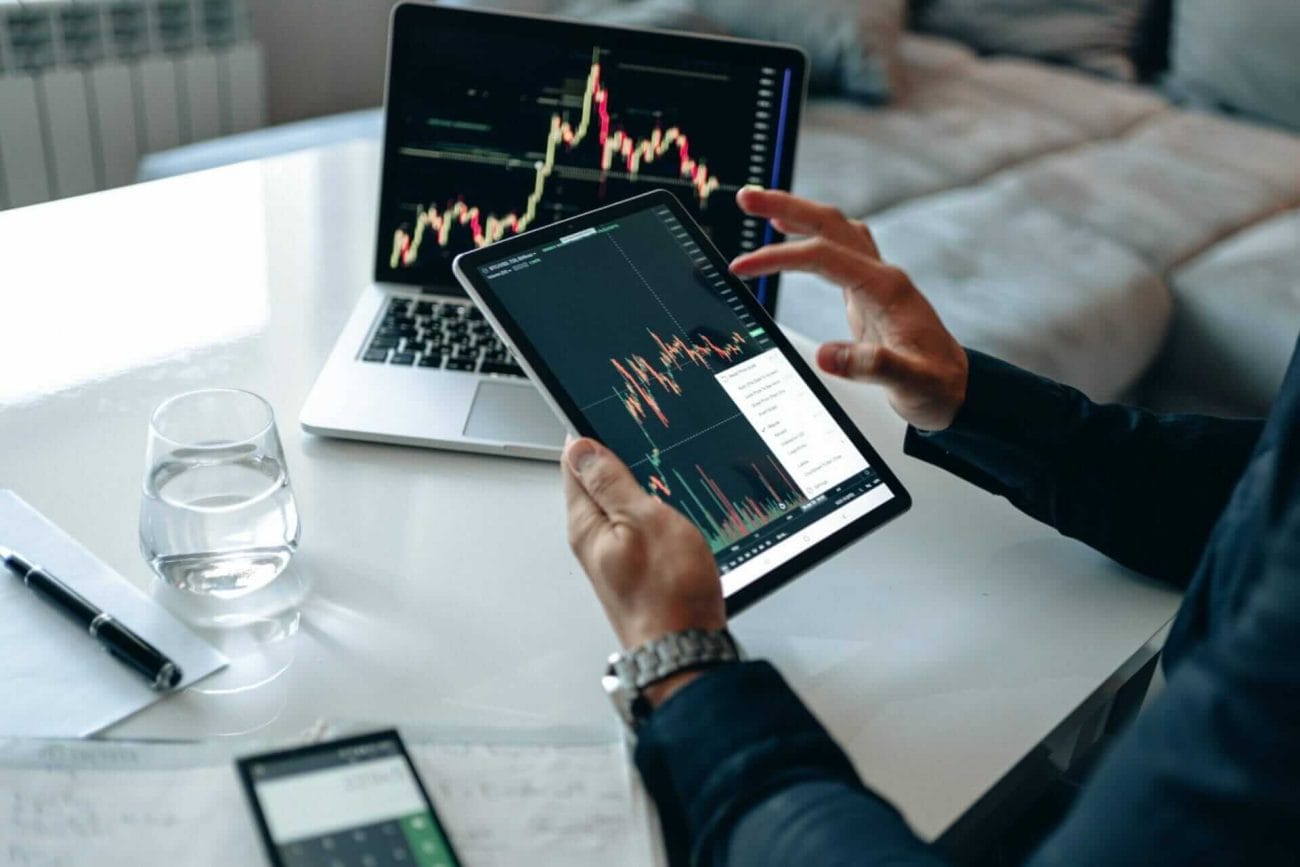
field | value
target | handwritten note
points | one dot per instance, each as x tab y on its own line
71	803
77	802
509	805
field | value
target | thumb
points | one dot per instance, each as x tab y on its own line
604	478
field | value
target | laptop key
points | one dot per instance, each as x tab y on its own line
461	363
376	355
384	341
405	358
503	369
431	361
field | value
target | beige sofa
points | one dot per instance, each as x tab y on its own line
1083	228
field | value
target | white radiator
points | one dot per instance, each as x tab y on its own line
89	86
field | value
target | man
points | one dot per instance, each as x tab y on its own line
1209	773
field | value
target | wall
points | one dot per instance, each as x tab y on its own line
322	56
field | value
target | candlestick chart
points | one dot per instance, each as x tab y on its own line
667	419
487	147
631	152
648	389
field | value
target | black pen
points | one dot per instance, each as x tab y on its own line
161	672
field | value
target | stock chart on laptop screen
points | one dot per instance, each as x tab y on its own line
499	124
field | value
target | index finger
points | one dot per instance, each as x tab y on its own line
857	273
804	216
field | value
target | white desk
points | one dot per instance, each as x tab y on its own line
940	651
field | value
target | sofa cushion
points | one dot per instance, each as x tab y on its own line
1270	155
850	43
1016	280
1242	57
1098	108
1165	205
957	120
1236	318
1094	34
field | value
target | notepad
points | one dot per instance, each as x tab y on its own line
517	797
58	681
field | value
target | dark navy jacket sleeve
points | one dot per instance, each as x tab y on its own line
1142	488
1209	774
742	773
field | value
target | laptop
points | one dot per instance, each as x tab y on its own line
496	123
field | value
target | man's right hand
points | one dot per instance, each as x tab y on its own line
899	341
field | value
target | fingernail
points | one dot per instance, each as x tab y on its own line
841	359
581	455
752	187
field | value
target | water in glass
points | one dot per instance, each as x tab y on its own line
218	518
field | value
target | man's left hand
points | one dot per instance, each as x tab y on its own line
652	569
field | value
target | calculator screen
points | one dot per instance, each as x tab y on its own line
354	803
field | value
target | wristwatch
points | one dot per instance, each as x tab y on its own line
630	672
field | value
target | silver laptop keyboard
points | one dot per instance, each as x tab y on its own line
416	333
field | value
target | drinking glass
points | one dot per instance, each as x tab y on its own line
218	516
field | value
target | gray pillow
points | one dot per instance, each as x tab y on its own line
850	43
1098	35
1243	56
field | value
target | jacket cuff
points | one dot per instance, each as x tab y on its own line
1000	397
1011	422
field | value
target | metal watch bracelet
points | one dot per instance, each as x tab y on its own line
630	672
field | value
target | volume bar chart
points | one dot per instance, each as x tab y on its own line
723	518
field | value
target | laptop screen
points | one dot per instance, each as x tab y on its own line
499	123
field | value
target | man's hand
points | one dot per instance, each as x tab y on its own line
899	342
651	568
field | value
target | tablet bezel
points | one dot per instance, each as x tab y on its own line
467	266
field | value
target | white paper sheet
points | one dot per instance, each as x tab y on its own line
58	681
546	799
530	799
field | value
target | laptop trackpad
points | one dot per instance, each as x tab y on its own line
506	412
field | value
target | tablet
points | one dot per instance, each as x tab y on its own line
629	321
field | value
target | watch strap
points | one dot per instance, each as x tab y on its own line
630	672
672	653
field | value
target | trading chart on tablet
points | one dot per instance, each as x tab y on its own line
674	374
489	145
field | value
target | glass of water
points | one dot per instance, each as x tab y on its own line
218	516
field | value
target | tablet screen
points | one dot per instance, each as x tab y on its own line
646	342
